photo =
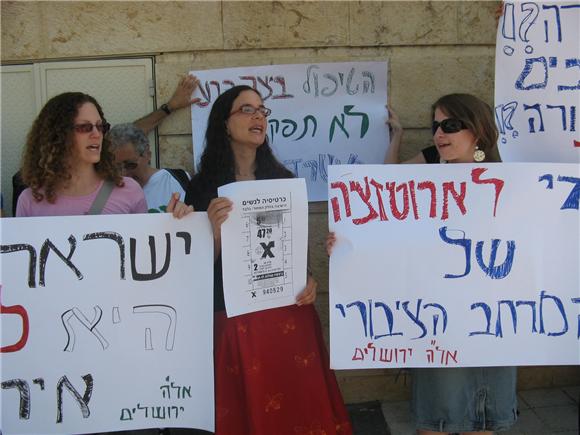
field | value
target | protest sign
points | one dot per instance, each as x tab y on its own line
264	243
107	323
537	81
454	265
322	114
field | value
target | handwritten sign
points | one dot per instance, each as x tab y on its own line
537	84
454	265
322	114
264	243
103	327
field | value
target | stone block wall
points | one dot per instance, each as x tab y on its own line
433	48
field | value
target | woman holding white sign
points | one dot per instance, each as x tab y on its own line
469	399
271	367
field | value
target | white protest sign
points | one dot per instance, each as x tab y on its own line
107	323
322	114
264	244
454	265
537	81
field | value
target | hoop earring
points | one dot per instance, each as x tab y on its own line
478	155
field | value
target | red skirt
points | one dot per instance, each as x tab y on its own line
273	377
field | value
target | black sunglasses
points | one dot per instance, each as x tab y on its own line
87	127
449	125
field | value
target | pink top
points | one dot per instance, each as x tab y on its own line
128	199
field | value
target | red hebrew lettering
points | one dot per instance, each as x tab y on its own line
431	186
365	196
393	199
476	174
449	187
379	190
334	201
20	311
413	199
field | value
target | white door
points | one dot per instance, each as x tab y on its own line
123	87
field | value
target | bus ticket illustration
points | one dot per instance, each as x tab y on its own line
264	244
267	246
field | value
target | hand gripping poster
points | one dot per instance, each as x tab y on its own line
264	244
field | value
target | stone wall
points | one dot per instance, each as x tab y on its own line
433	48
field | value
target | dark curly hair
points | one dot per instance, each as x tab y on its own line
478	117
49	144
217	164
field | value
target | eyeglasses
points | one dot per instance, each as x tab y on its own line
87	127
246	109
449	125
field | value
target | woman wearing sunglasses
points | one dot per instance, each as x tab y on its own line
272	371
463	132
471	399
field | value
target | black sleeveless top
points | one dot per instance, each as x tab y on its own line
431	154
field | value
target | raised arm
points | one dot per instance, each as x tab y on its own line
396	129
181	98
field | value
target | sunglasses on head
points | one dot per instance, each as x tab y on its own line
449	125
87	127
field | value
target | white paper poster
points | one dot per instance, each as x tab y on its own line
322	114
107	323
454	265
264	244
537	81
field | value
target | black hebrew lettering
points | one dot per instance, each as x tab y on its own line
83	401
153	275
68	316
24	391
165	310
186	239
47	246
116	237
7	249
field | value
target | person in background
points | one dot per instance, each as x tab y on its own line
467	400
271	367
69	168
133	156
181	98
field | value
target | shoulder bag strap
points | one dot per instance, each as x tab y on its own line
101	198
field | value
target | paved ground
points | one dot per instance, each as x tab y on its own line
542	412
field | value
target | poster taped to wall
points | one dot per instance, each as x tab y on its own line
537	81
322	114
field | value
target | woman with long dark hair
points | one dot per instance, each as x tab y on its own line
272	371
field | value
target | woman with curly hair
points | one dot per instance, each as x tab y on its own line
272	371
67	162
